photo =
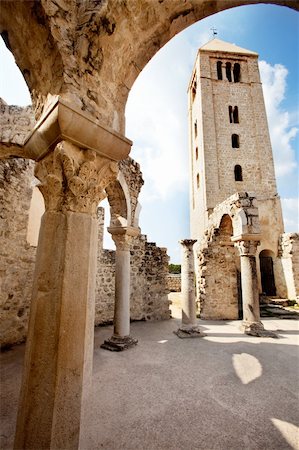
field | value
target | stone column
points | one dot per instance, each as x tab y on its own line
121	339
59	349
189	327
252	324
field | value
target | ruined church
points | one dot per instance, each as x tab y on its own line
231	163
80	60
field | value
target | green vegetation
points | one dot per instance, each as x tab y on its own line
174	268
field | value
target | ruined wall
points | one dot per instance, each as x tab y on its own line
217	264
174	282
149	270
17	257
149	263
15	124
287	266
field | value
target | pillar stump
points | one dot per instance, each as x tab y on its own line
189	327
252	324
121	339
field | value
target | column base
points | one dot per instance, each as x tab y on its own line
191	332
257	329
119	343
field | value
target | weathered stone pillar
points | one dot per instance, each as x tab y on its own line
252	324
59	349
121	339
189	327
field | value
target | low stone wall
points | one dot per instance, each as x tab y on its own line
149	263
149	291
174	282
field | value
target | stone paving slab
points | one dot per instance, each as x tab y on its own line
226	391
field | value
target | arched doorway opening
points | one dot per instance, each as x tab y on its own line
267	272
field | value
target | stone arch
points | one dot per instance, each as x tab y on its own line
78	42
217	278
119	204
266	260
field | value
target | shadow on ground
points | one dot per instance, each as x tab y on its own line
226	391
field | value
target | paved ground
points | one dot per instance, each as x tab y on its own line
226	391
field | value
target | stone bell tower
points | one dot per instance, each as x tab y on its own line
230	148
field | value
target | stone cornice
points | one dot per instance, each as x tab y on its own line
64	121
130	231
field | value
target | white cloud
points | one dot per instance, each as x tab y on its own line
157	117
274	79
290	209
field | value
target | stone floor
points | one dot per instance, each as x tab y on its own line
226	391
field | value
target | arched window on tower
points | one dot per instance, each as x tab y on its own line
230	112
219	70
237	72
238	173
194	87
235	115
228	70
196	153
235	141
195	128
197	181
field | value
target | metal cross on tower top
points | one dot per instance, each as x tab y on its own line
214	30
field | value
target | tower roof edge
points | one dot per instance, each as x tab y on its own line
216	45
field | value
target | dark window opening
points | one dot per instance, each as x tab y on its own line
267	272
197	181
238	173
237	72
235	115
219	70
195	128
196	153
235	141
228	69
194	87
230	112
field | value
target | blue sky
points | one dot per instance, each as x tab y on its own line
156	113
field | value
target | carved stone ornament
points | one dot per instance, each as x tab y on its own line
72	179
247	248
122	241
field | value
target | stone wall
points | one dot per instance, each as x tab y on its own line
149	263
16	123
149	270
17	257
288	261
217	264
174	282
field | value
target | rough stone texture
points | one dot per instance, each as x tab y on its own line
149	264
15	124
17	256
92	52
218	263
149	270
288	265
174	282
218	295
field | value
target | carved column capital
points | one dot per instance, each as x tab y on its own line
72	179
122	236
247	248
188	243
